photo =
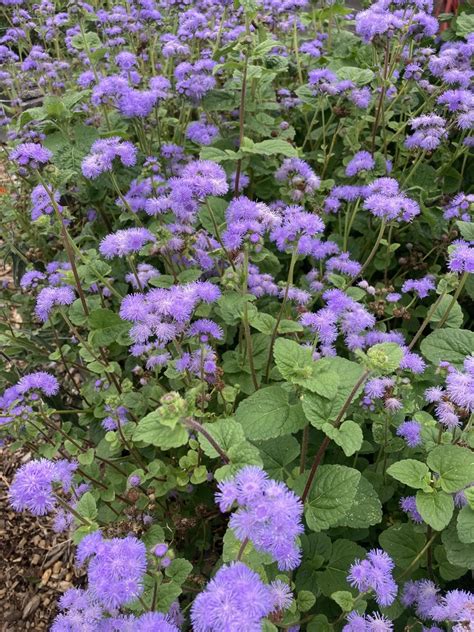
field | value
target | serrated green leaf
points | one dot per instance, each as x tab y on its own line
410	472
465	525
436	508
403	544
455	466
450	345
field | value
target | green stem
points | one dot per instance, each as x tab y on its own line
289	282
453	300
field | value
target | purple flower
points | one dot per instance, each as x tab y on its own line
103	153
375	573
39	381
125	242
299	177
362	161
50	297
32	155
195	80
367	623
205	177
384	200
115	568
411	432
422	593
421	287
235	599
461	256
41	202
459	207
201	133
269	514
428	132
247	220
408	505
297	228
32	486
460	386
204	328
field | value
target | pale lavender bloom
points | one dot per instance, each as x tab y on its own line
204	328
362	161
411	432
385	200
375	573
374	622
201	133
115	568
423	593
235	599
31	279
125	242
145	272
41	381
429	131
269	514
205	177
408	505
459	207
41	202
421	287
32	155
299	177
460	388
32	486
447	415
50	297
461	256
103	153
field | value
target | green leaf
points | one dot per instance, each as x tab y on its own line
226	433
277	454
385	357
455	466
151	432
270	147
295	363
455	317
106	327
179	570
457	552
403	544
467	230
316	551
366	509
332	494
305	600
450	345
360	76
86	458
320	410
448	571
154	535
167	593
87	507
348	436
465	525
344	599
436	508
334	577
411	472
464	24
268	413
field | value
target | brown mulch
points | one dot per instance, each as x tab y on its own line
36	564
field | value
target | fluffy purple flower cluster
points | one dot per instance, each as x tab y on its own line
362	161
237	599
459	207
455	607
428	132
411	432
33	485
461	256
340	315
31	155
269	514
385	200
104	152
247	221
298	176
125	242
374	622
457	398
324	82
161	315
115	568
375	574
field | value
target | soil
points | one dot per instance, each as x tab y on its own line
37	564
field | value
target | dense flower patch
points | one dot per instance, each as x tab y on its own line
238	339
